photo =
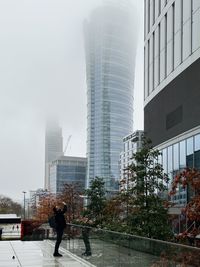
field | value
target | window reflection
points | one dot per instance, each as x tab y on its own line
197	151
164	157
182	154
169	159
190	146
190	150
197	142
160	158
176	156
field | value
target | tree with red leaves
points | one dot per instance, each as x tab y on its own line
71	195
190	180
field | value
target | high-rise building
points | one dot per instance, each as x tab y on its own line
110	55
70	170
172	84
34	199
53	146
131	144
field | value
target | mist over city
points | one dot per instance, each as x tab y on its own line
100	133
43	74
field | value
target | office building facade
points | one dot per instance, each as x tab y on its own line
131	144
67	170
53	147
172	83
110	53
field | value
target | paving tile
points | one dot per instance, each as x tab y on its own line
35	254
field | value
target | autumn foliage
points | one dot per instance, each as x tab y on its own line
189	179
70	195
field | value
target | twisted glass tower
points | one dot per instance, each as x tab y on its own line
110	51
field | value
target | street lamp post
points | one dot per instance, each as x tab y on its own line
24	192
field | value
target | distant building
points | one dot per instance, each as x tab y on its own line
110	56
33	201
132	144
36	196
53	146
67	170
172	85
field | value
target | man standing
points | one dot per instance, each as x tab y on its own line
85	235
60	225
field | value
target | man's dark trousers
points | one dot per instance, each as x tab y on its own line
59	233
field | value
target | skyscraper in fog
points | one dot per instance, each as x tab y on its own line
53	146
110	53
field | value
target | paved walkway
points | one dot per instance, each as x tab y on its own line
36	254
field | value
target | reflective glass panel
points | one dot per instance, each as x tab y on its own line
164	157
190	148
176	156
169	159
197	142
182	154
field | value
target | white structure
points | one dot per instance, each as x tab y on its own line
172	84
8	215
172	41
53	147
132	144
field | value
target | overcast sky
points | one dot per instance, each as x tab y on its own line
42	70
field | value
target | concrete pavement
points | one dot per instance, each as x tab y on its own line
36	254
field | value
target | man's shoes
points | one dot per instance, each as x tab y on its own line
57	255
87	254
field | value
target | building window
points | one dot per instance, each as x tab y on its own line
190	146
163	3
145	18
148	16
146	74
181	30
197	142
177	33
153	11
176	157
169	159
173	34
148	82
182	154
164	160
190	152
159	7
191	24
165	45
159	53
153	66
157	57
170	34
162	49
195	24
186	29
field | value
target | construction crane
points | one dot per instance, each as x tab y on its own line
66	146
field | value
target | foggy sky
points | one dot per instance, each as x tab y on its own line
42	72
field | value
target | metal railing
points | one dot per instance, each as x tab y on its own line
10	231
108	248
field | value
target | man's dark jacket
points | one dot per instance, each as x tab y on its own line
59	218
